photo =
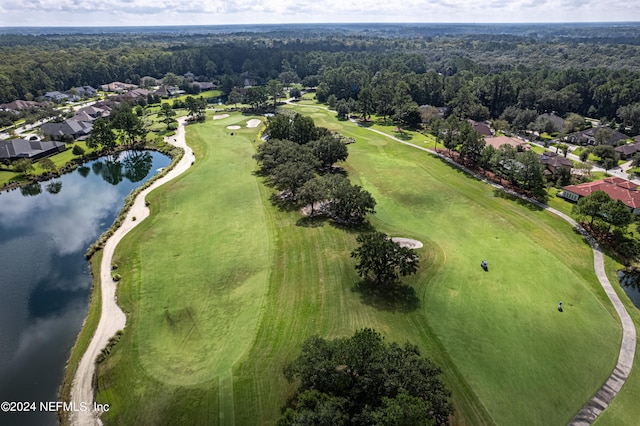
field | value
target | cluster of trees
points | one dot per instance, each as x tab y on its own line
361	380
257	96
607	153
30	116
480	95
298	159
609	220
479	76
522	168
598	206
122	127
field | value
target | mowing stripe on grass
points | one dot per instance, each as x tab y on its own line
601	400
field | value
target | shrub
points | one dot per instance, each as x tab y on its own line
77	150
172	126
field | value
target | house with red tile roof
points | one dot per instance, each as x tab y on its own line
617	188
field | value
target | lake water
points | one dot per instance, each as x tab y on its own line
630	283
45	281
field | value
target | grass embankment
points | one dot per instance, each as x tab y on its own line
221	288
624	410
85	335
194	276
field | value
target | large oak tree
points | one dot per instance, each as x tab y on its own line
361	380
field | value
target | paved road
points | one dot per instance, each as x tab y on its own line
618	377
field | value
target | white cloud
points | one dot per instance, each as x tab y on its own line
74	226
179	12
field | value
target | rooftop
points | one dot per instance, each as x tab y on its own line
617	188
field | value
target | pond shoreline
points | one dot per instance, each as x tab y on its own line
78	386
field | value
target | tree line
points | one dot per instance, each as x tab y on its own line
378	74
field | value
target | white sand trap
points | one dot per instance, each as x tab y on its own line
406	242
220	117
254	122
233	127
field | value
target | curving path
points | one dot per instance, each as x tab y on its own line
621	372
112	318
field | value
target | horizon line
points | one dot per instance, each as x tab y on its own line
326	24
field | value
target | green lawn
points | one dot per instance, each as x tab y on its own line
194	275
624	410
221	288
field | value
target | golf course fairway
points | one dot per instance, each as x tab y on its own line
220	289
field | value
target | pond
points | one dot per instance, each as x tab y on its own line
45	280
630	283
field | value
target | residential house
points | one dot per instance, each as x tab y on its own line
91	113
84	91
482	128
558	122
69	128
20	105
56	96
148	81
552	162
588	137
205	85
132	96
627	151
617	188
118	87
498	141
20	148
166	91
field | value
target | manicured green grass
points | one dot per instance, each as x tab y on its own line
7	176
501	328
210	94
624	410
510	312
537	149
221	288
559	203
194	275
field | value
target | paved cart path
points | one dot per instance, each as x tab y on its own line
621	372
112	318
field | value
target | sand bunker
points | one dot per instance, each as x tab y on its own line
254	122
406	242
233	127
220	117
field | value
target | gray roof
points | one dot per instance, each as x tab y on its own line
68	127
21	148
554	160
629	148
558	122
590	134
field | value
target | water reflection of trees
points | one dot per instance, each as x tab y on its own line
137	165
132	165
84	171
629	278
54	187
31	189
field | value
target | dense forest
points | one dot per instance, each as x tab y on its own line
592	71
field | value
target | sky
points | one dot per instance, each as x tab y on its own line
20	13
